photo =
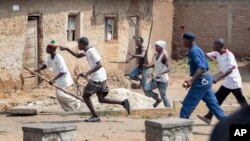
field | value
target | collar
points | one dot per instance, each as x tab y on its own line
226	52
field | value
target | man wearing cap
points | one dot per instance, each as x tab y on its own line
230	73
160	79
62	79
200	83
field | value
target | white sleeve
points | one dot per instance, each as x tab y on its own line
61	66
231	61
48	62
95	56
212	54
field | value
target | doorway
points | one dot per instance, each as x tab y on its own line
30	58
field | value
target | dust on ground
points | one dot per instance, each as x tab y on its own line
113	128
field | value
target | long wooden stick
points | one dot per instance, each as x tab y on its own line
42	77
149	37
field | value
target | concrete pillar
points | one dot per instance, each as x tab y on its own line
169	129
49	132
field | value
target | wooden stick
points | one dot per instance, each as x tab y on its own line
149	37
118	62
42	77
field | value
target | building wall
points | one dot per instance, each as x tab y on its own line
211	19
53	25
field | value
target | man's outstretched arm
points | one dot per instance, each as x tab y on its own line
76	54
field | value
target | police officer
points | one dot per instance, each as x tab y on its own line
200	83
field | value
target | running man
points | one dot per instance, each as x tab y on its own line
98	77
62	79
142	58
232	82
160	80
200	83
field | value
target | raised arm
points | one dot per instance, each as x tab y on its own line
76	54
142	55
129	59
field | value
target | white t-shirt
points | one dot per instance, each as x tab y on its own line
93	57
227	61
58	65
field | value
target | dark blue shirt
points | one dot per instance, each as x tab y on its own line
197	60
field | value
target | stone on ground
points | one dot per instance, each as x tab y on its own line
49	132
24	110
137	100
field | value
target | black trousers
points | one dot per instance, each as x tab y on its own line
221	95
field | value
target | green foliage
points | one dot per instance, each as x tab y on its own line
181	66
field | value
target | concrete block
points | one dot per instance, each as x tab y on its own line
169	123
24	110
49	132
169	129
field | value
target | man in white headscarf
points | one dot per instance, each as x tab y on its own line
160	79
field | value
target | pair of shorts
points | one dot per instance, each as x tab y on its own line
96	87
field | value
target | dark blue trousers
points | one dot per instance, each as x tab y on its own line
201	90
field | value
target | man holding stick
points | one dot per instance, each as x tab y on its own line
142	58
62	79
98	77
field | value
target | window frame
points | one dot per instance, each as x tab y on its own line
114	36
73	31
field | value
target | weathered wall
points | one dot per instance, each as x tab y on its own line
163	13
53	20
211	19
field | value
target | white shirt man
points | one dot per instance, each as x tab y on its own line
227	61
92	58
232	79
67	102
58	65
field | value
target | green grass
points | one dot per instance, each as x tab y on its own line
181	66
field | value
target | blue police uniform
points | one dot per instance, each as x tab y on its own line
202	87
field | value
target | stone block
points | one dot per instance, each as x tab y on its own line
169	129
24	110
49	132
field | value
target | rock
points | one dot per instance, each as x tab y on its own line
135	85
136	100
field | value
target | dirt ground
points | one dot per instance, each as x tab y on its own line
109	129
114	128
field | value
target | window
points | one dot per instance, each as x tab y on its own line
71	31
111	28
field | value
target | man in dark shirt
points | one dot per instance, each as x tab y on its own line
141	56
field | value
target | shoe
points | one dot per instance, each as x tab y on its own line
157	102
92	119
206	120
126	105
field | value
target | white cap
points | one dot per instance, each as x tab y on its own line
161	44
